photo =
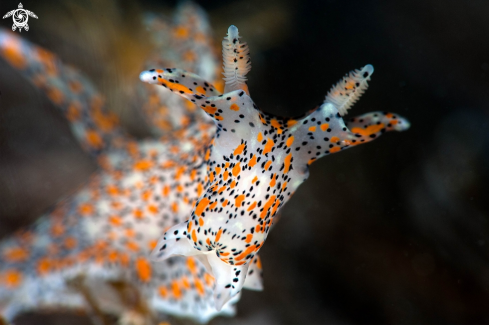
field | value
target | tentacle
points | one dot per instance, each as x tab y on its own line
349	90
180	81
324	132
224	109
236	61
95	128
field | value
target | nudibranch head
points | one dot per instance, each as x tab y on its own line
255	162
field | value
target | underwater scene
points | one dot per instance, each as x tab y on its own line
178	162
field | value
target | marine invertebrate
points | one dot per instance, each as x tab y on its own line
212	183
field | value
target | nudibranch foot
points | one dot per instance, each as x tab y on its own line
229	279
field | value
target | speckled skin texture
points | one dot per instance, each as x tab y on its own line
211	184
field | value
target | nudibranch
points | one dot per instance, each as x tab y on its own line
210	183
255	162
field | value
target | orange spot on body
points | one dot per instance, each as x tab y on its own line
236	169
75	86
371	129
145	196
13	54
245	253
192	266
252	206
334	149
289	142
15	254
143	165
143	269
199	286
275	207
194	236
234	107
291	123
70	242
267	206
239	149
185	283
324	127
218	235
12	278
334	139
252	161
276	124
112	190
201	206
43	266
175	87
268	146
209	109
312	129
138	214
259	137
200	89
209	279
267	165
94	139
273	181
163	291
287	160
73	112
57	230
133	246
193	173
176	290
153	209
249	237
239	200
152	244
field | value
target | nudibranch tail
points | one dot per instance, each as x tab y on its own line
236	61
349	90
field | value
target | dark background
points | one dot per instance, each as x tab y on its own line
395	231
